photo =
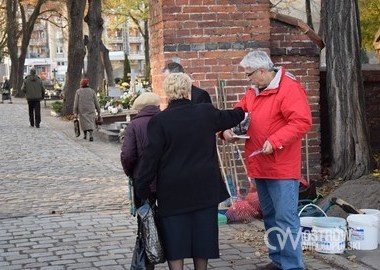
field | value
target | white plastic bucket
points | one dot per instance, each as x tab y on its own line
375	212
363	231
329	234
306	228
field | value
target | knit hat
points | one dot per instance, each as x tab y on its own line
146	99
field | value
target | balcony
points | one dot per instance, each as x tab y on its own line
39	41
136	56
135	39
115	39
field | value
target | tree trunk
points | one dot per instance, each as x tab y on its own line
147	51
95	28
76	53
350	154
12	40
107	64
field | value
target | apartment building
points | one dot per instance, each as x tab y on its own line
47	51
125	39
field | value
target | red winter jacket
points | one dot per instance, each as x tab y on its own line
281	115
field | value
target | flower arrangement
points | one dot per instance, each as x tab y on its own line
128	98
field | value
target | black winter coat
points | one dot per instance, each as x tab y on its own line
181	152
199	95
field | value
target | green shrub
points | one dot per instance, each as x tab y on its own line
57	106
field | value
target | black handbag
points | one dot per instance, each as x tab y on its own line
99	120
76	128
153	246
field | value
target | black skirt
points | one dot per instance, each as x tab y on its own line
191	235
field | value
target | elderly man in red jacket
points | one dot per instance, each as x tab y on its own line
279	117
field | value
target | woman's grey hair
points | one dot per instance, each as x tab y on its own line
256	60
177	86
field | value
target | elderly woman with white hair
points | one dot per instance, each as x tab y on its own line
181	154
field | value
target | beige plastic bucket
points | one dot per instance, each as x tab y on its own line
362	231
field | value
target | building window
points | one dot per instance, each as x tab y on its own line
59	49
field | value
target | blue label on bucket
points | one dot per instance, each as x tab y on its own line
356	234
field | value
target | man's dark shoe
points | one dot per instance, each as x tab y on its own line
91	139
269	266
37	126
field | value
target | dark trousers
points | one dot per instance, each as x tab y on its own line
34	112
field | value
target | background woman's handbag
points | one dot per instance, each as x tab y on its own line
76	128
153	246
99	120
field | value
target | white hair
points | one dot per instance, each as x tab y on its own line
256	60
177	86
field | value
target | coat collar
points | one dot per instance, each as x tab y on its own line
274	84
178	102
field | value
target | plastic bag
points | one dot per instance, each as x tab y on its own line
153	246
242	127
139	259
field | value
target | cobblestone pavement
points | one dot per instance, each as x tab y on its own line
63	203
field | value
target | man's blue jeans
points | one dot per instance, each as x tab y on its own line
279	202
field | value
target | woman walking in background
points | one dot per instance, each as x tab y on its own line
85	105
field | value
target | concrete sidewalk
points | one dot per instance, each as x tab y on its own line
63	204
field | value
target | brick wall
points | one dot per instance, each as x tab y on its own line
210	37
371	80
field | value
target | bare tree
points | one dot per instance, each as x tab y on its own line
138	11
76	52
350	154
144	31
107	64
15	30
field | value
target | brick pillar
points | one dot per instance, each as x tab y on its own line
209	38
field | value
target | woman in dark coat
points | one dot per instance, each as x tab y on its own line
181	153
135	138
